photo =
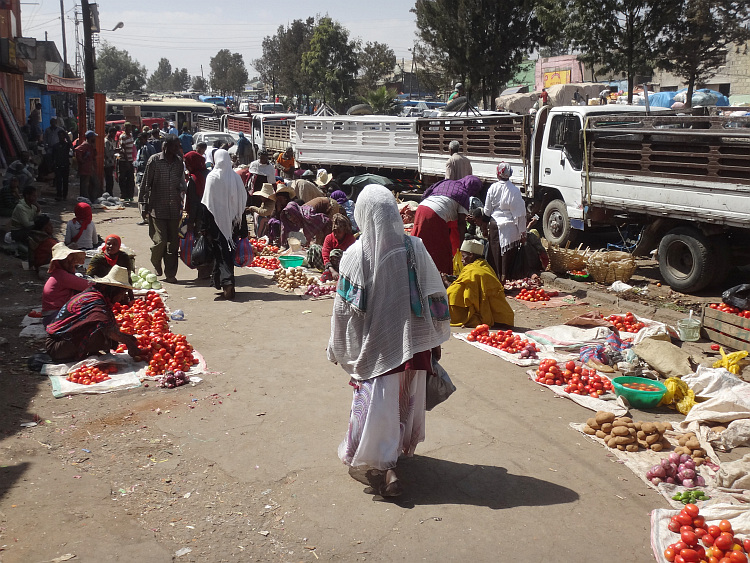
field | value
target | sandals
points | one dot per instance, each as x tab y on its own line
391	486
228	292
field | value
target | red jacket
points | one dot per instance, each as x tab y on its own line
85	156
331	243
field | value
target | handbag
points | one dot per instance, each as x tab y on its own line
243	252
186	248
439	386
201	254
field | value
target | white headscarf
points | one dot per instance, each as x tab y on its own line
380	319
224	196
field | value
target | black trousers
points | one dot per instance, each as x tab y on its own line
126	178
62	177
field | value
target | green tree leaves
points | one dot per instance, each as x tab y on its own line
117	71
228	72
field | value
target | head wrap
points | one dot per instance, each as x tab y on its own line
340	197
460	190
295	216
390	301
225	196
83	218
196	166
504	171
112	260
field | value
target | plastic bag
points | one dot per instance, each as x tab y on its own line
243	252
737	296
201	254
679	394
439	386
186	248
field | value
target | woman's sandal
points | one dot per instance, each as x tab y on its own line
391	486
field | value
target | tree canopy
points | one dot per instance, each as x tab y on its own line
382	101
199	84
376	61
228	72
116	70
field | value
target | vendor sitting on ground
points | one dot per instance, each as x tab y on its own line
80	232
10	195
24	215
62	283
294	217
284	196
347	206
110	256
477	296
335	243
262	213
86	325
41	242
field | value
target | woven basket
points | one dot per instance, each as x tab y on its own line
563	260
612	266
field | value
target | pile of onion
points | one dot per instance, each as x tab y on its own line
678	469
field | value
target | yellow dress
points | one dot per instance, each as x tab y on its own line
477	297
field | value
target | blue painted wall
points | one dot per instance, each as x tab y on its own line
48	112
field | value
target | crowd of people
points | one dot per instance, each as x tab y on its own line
397	295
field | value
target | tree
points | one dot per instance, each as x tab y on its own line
228	72
131	83
376	61
331	63
269	65
180	80
694	42
619	35
161	79
114	66
199	84
479	43
382	101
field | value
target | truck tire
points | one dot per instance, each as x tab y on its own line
685	260
722	255
359	109
455	104
556	223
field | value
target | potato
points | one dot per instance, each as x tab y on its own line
682	440
659	427
600	434
632	431
643	443
667	426
611	442
624	440
625	419
641	435
604	416
620	423
620	431
592	423
699	461
657	447
632	448
620	447
693	444
588	430
638	425
698	453
607	427
718	429
653	438
648	427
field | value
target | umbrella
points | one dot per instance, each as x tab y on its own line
357	183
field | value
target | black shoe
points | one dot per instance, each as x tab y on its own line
158	271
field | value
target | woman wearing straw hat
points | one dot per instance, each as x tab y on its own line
86	325
262	213
62	283
284	196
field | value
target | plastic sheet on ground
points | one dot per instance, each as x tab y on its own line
544	351
554	302
661	537
608	402
130	374
32	327
569	337
261	271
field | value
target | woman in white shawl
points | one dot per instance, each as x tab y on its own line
390	315
507	231
224	218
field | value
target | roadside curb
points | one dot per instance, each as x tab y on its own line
582	290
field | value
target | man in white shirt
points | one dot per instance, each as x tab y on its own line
262	172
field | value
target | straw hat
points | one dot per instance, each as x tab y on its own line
323	177
266	192
287	190
61	252
117	276
473	246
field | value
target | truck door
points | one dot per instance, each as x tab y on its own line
562	159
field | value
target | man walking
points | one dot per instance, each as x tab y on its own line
86	157
161	201
458	165
110	148
61	164
244	149
50	139
125	170
186	140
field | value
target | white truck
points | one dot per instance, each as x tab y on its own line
684	179
270	131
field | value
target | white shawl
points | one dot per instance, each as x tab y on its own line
504	203
374	327
225	196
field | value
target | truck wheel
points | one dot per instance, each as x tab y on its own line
556	223
685	259
722	255
359	109
455	104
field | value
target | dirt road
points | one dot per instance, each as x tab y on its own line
243	467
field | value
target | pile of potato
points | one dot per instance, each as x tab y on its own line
689	444
292	278
625	435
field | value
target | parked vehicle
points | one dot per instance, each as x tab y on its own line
183	111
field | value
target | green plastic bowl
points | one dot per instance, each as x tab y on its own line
639	399
291	261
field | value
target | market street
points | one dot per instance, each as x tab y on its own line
243	466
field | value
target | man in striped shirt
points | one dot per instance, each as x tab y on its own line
125	170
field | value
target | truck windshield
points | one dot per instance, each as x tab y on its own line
564	135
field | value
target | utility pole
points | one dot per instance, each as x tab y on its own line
88	49
65	44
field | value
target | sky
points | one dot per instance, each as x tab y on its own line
190	32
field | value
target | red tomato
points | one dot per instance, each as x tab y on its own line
725	541
690	555
669	554
715	531
700	532
738	557
684	518
725	526
699	522
746	544
692	510
689	537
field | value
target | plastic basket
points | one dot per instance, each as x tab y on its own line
612	266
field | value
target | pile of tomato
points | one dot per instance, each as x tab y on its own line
627	322
534	295
720	544
723	307
503	340
268	263
578	273
641	387
258	245
90	375
147	320
578	380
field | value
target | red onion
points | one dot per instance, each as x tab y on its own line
665	463
670	480
689	464
658	471
684	458
656	480
700	481
688	483
674	457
